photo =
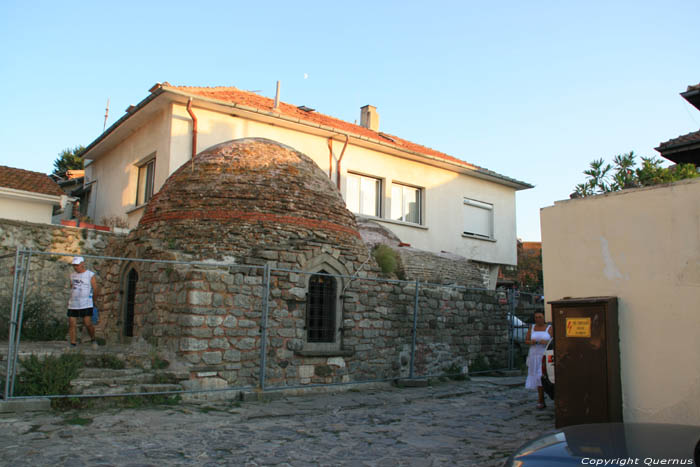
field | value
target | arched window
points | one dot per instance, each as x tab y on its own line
321	308
132	279
323	324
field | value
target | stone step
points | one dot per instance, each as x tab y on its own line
88	373
160	387
175	375
113	381
99	390
130	389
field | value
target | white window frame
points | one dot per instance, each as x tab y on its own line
479	208
145	180
379	184
401	203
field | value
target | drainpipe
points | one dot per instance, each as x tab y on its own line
330	158
194	130
347	138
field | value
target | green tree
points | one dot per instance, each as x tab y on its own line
604	178
530	270
69	159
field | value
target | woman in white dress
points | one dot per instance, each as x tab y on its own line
537	338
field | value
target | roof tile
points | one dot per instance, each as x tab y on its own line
26	180
693	137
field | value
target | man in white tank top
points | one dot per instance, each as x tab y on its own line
83	292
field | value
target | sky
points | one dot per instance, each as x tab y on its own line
531	90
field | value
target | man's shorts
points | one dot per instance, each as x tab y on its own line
79	313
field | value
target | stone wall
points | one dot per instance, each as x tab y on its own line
49	275
212	318
443	268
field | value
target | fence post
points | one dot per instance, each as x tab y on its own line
18	333
511	328
263	325
13	323
415	325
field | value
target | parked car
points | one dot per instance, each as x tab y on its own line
519	329
610	443
548	369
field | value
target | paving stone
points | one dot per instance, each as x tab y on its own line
469	423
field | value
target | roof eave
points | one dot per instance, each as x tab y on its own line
683	146
693	97
31	196
155	92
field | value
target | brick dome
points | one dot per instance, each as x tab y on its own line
244	196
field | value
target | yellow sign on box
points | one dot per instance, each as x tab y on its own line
578	327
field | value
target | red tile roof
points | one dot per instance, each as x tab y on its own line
689	138
534	246
237	96
231	95
26	180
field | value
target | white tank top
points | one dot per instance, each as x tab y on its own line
540	335
80	290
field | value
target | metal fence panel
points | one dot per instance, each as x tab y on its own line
226	327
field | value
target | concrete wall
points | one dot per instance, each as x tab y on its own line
642	246
26	210
444	190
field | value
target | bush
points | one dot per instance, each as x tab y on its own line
454	372
47	376
386	258
479	364
107	361
38	321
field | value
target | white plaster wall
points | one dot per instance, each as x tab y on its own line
25	210
642	246
444	189
115	175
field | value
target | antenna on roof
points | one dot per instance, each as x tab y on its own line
104	127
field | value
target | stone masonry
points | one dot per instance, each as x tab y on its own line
48	274
249	203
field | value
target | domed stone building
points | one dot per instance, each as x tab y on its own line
253	215
236	207
243	197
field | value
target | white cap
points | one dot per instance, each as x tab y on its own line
77	260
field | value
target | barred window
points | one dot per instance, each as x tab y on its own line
321	308
131	281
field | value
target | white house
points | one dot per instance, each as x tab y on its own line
28	196
430	200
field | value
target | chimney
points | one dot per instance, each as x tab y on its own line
369	118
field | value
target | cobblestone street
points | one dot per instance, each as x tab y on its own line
471	423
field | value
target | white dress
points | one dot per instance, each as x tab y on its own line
534	358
